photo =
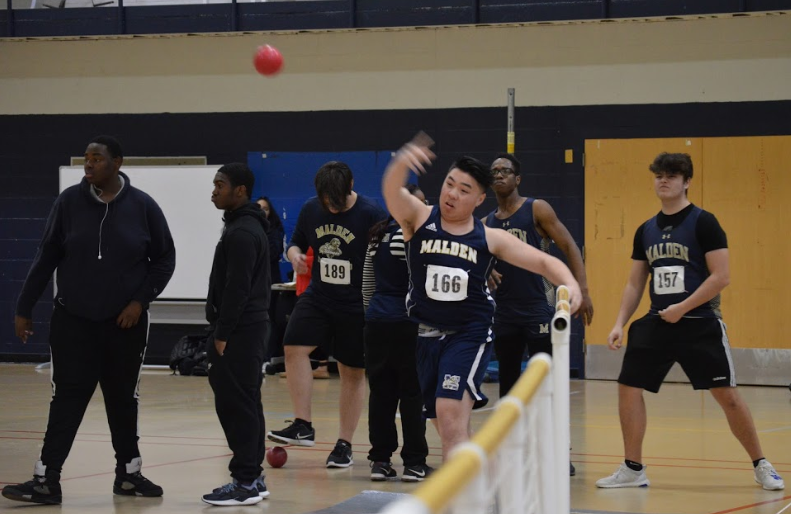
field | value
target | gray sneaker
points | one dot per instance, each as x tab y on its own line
624	477
232	494
260	486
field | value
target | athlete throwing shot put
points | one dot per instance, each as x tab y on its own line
450	254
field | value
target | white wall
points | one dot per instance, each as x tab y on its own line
623	62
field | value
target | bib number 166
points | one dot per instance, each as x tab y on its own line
446	284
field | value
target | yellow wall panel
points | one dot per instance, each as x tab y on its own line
747	185
745	182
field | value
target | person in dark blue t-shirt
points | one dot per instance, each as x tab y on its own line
329	314
450	255
684	252
390	346
114	254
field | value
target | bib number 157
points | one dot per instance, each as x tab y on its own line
668	280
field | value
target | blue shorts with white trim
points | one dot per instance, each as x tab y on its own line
450	363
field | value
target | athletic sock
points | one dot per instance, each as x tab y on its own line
634	466
756	462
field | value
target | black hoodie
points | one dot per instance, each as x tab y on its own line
106	254
240	281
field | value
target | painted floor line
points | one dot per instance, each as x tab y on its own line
750	506
779	429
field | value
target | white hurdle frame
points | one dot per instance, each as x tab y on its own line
561	335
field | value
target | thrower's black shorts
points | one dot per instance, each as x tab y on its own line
699	345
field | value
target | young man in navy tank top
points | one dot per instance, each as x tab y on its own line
526	301
450	255
684	251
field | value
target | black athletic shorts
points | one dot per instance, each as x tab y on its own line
339	334
699	345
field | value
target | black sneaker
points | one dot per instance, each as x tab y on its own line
416	473
572	469
341	456
260	486
296	434
382	471
42	489
135	484
232	494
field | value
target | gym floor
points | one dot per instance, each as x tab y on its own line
695	465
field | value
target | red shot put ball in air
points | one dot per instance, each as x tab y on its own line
276	456
268	60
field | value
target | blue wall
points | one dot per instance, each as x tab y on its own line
33	147
286	178
333	14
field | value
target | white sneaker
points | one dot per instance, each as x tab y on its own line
625	477
766	475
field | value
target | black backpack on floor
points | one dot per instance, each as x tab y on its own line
189	357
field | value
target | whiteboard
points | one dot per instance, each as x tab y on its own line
184	195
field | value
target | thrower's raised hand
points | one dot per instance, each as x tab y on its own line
417	154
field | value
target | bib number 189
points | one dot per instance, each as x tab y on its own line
336	271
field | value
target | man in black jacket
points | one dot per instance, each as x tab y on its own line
237	306
114	254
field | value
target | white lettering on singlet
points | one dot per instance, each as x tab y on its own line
452	248
667	251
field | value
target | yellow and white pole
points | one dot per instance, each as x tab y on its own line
561	330
511	138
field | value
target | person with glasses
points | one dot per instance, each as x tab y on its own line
525	300
450	255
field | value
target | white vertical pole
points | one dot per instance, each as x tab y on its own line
510	467
547	463
561	328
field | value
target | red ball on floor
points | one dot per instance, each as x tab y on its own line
276	456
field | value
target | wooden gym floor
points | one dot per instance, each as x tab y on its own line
694	464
